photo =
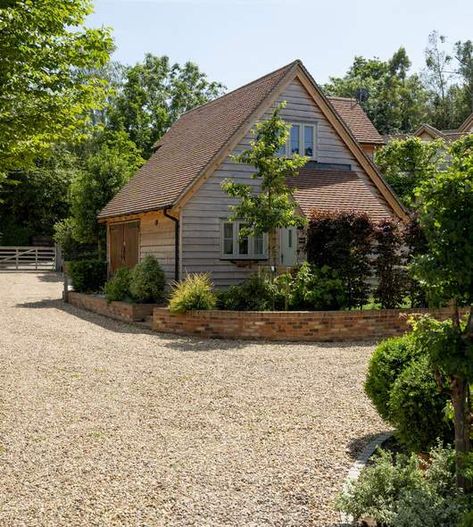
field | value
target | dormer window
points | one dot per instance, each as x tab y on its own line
301	141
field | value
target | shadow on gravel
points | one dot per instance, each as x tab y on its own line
50	277
355	446
99	320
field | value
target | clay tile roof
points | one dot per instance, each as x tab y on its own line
356	119
189	146
334	190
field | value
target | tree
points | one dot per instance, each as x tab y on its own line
47	84
395	100
271	206
464	57
156	93
445	212
33	200
110	159
406	163
437	77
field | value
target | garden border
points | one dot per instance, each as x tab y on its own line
298	326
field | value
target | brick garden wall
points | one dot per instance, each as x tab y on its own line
118	310
316	326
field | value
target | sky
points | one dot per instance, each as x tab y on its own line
236	41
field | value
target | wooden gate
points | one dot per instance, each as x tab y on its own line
29	259
124	244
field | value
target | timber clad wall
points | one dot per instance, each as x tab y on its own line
201	216
310	326
157	238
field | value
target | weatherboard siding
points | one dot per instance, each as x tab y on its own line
158	241
202	214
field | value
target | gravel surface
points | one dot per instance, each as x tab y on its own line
103	423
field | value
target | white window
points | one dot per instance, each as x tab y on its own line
235	246
302	139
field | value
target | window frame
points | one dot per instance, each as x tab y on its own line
236	225
287	152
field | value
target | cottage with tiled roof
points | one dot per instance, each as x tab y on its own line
175	209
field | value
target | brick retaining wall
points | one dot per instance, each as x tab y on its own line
118	310
314	326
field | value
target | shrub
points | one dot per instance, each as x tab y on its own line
399	492
257	293
195	292
147	280
391	276
316	288
343	241
87	275
417	408
466	520
388	361
118	287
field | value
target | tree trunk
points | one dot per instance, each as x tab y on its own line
461	407
462	428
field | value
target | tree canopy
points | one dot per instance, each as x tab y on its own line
47	83
153	94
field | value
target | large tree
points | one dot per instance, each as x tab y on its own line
445	216
47	82
406	163
393	99
154	94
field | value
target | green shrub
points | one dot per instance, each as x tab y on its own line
147	281
257	293
466	520
388	361
87	275
417	408
316	288
194	292
398	492
117	289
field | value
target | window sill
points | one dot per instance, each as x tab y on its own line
243	258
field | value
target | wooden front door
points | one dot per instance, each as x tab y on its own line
124	245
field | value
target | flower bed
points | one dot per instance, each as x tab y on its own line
118	310
311	326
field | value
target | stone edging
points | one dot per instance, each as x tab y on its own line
358	466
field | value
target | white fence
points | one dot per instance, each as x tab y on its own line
30	259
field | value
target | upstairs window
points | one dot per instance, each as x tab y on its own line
235	246
301	141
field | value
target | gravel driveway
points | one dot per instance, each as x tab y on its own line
102	423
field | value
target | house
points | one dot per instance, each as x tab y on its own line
427	132
175	209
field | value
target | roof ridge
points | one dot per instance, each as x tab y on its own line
218	99
342	98
287	66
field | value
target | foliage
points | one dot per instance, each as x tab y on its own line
155	93
194	292
272	205
416	398
406	163
389	360
343	241
110	159
48	86
315	288
395	99
71	248
391	276
87	275
415	244
35	199
400	492
257	293
466	520
117	289
445	212
147	280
